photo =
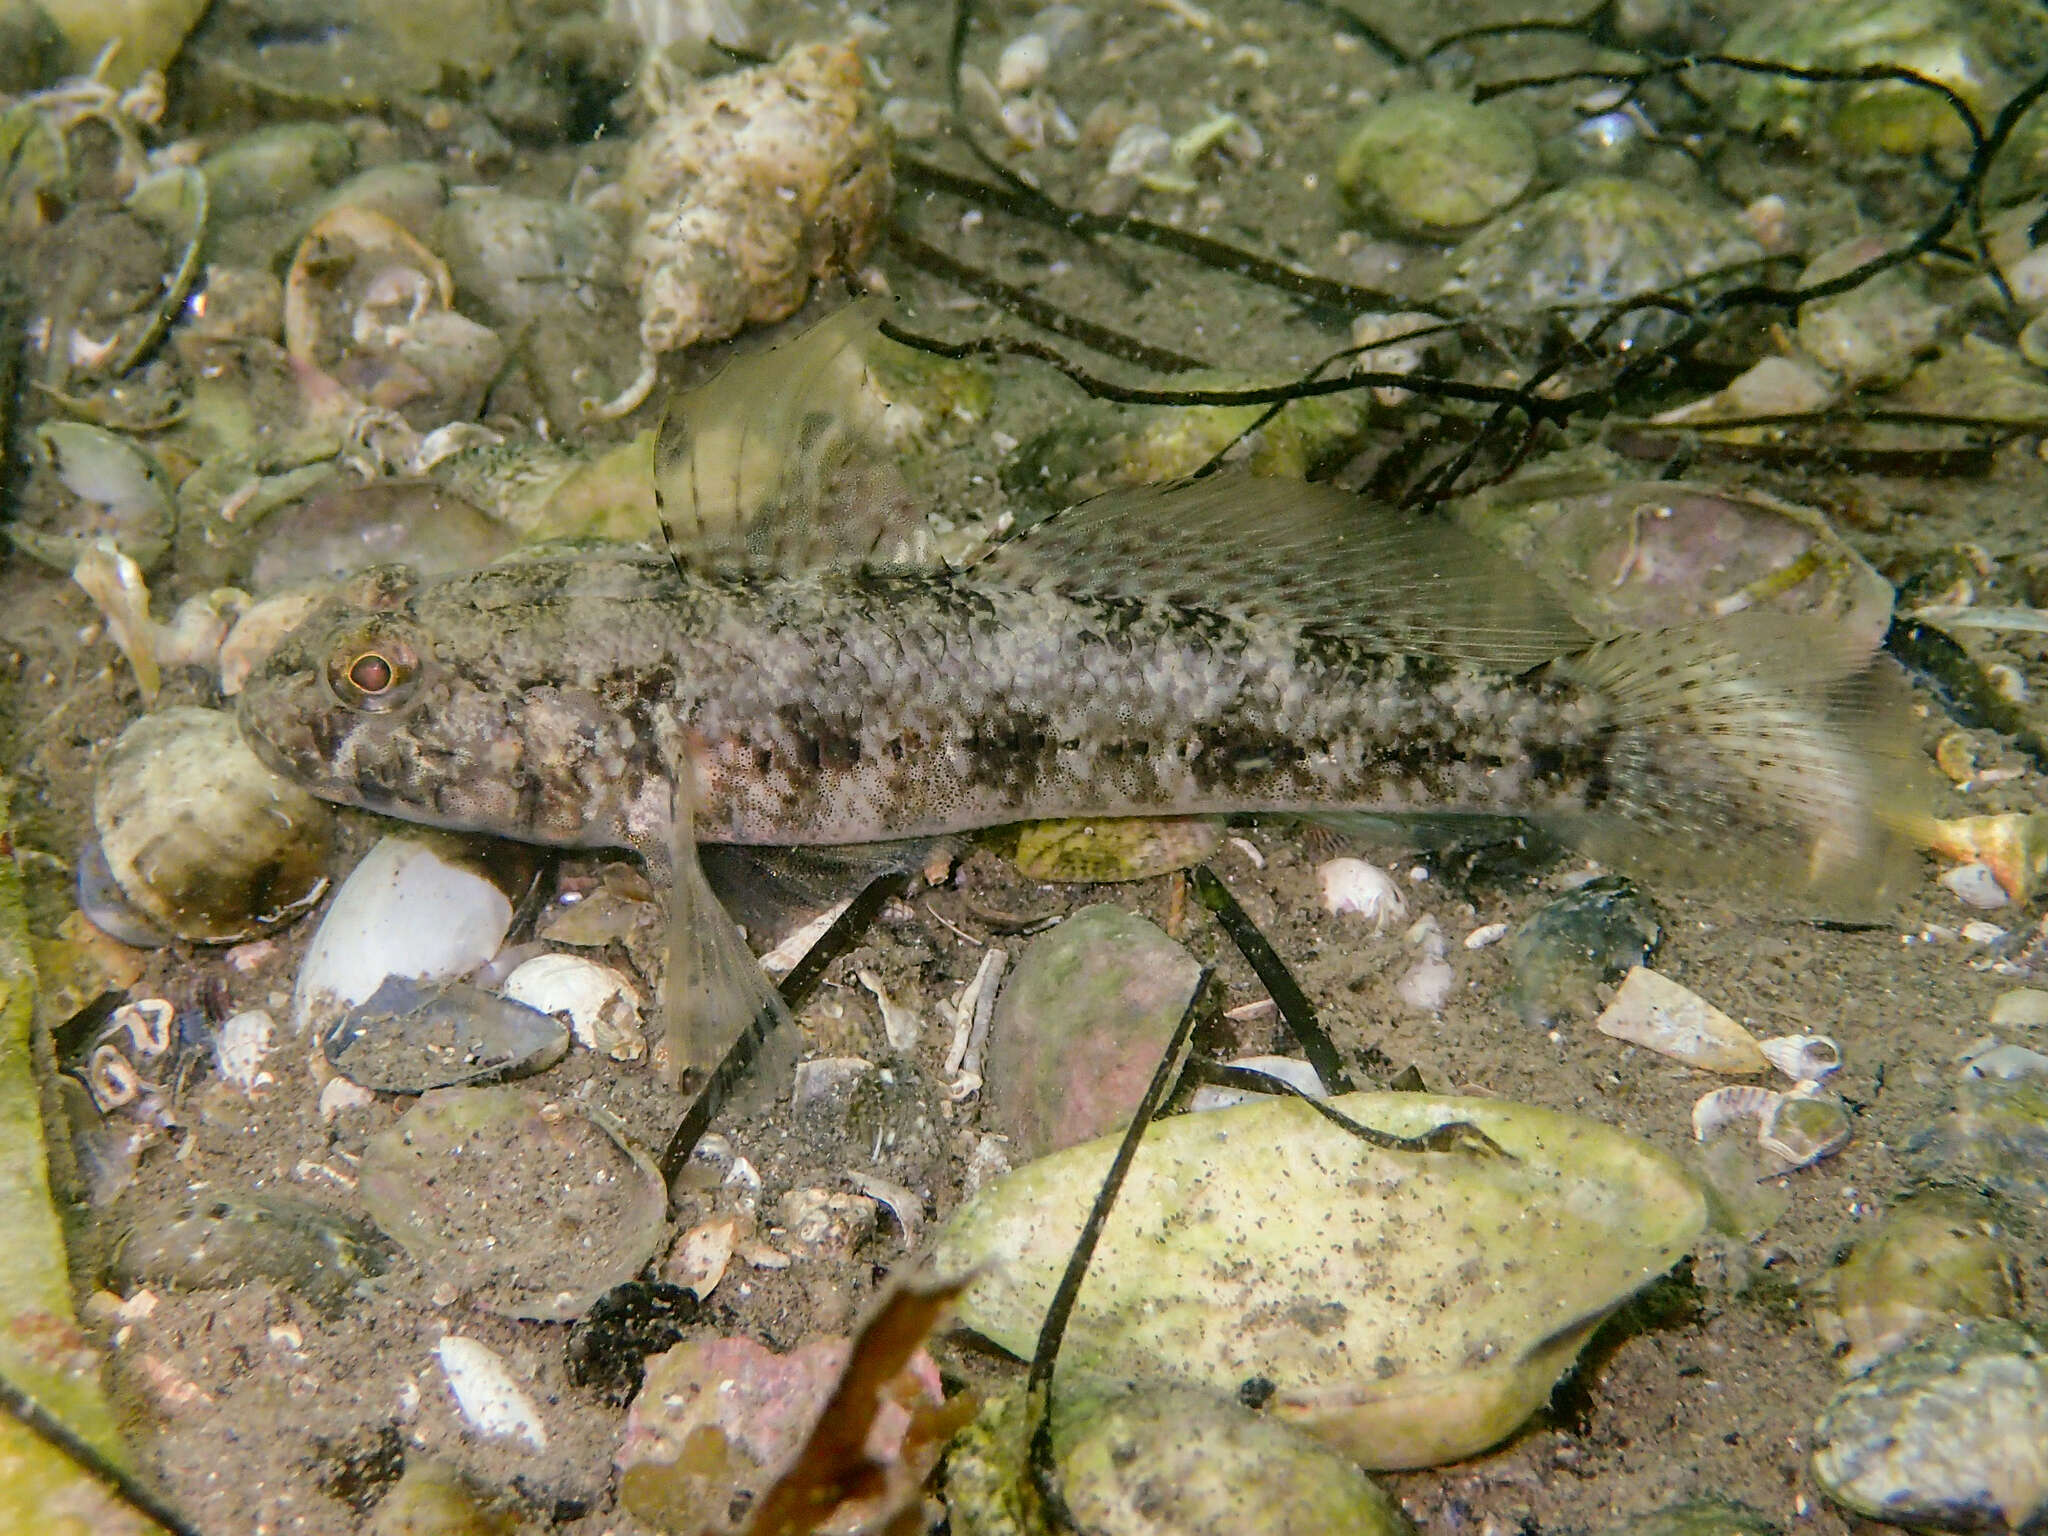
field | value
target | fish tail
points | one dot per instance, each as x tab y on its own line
1763	752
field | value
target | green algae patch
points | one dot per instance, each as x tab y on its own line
42	1351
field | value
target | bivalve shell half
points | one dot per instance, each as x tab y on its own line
1804	1127
1409	1308
200	837
411	908
1652	1010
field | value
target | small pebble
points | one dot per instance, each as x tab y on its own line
1487	936
494	1404
2023	1007
1427	986
1975	885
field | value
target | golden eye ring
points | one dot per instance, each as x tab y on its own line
374	673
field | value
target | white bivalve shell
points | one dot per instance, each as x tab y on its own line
204	841
411	908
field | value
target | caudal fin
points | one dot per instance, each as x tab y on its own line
1759	752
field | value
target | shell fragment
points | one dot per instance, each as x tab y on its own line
1652	1010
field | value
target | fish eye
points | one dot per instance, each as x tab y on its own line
373	672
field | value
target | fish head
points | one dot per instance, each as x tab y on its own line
395	695
353	703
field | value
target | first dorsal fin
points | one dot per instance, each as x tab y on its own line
767	467
1308	553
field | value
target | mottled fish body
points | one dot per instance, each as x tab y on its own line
1231	645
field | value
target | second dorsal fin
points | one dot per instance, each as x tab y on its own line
1308	553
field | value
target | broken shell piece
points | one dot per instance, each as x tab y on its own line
901	1024
115	584
602	1007
1724	1108
1802	1128
700	1259
240	1046
1652	1010
1352	886
148	1022
1803	1058
350	267
494	1404
124	497
2014	847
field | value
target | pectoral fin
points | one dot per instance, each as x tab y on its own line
714	990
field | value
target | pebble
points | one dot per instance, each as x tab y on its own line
1155	1461
1697	1517
1078	1030
757	1407
1951	1433
1975	885
1932	1261
1427	985
1410	1310
1434	163
232	1238
2022	1007
491	1400
1994	1137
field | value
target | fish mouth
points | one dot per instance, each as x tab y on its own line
278	735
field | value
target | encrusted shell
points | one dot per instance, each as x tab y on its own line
756	184
204	840
1802	1128
1803	1058
1590	244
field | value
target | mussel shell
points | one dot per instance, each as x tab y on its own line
201	838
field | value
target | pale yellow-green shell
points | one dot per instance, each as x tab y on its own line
1410	1308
